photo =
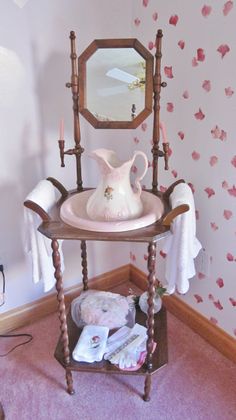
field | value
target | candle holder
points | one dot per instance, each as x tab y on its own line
77	151
166	154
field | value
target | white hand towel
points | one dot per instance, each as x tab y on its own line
181	246
91	344
36	244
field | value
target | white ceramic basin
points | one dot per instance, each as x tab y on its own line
73	212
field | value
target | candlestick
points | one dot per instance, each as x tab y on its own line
61	129
163	130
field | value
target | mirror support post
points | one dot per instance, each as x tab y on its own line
74	85
157	85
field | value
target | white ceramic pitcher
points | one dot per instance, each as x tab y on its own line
114	198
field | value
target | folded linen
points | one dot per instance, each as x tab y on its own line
181	246
36	244
91	344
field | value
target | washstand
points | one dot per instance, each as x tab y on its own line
126	68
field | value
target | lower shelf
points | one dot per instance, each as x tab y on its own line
160	355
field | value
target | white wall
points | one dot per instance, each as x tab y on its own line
30	111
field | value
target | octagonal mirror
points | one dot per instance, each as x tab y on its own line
115	83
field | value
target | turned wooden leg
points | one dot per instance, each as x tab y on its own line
62	311
84	264
150	317
69	381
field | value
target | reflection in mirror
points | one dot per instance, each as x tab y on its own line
116	84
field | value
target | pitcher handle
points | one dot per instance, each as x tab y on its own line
139	178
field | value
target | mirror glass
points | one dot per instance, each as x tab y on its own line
115	86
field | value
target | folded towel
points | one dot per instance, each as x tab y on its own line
36	244
181	246
91	344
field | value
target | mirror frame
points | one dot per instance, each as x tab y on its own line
115	43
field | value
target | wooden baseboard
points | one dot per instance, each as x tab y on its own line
33	311
38	309
214	335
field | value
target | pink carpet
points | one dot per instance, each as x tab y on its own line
198	383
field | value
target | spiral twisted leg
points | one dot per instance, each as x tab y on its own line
150	317
62	311
84	264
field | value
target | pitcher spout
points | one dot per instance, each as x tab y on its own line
106	159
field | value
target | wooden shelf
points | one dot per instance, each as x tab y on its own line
160	354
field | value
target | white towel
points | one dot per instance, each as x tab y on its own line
91	344
181	246
36	244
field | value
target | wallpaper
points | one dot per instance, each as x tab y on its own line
198	107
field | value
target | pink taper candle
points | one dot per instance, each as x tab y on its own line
62	129
163	130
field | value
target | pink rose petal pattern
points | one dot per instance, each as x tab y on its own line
162	254
206	10
162	188
218	305
223	49
137	21
227	7
155	16
232	191
173	20
145	3
214	226
198	298
220	282
225	185
232	301
200	54
181	44
233	161
229	92
213	160
230	257
195	155
210	192
185	94
181	135
150	45
227	214
194	62
199	115
168	72
206	85
170	107
217	133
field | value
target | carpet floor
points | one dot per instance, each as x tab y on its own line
197	384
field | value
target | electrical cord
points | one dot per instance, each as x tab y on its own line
30	338
3	284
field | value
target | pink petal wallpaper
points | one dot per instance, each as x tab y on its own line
198	107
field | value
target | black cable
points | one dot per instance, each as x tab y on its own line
30	337
3	284
18	345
